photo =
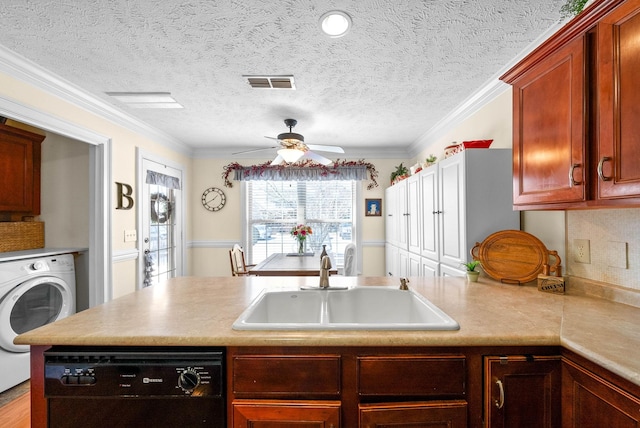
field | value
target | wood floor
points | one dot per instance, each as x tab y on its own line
16	413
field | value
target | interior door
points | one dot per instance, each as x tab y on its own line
161	226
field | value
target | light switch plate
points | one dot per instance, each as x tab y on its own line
130	235
581	251
617	254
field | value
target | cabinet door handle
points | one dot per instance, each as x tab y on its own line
600	166
500	401
572	181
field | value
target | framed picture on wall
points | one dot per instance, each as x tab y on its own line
373	207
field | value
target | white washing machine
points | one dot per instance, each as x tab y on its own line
33	292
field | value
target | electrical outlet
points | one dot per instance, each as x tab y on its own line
617	254
130	235
581	251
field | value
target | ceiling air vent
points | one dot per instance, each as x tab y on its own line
271	82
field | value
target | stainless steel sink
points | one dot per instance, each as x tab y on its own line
359	308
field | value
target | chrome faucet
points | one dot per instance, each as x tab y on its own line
325	265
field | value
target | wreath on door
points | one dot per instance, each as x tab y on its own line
160	208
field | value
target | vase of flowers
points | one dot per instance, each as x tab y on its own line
300	233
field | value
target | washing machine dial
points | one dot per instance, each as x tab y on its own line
39	265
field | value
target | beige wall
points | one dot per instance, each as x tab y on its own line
65	192
494	121
558	229
124	143
215	230
214	233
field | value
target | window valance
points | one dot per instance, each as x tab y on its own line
305	170
163	180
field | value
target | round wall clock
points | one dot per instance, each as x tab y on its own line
213	199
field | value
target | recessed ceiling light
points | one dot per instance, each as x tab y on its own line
335	23
146	99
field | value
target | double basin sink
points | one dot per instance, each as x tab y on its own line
358	308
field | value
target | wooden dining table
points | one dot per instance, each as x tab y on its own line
282	264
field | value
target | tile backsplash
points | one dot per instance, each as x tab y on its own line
611	233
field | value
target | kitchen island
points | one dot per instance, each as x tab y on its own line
189	311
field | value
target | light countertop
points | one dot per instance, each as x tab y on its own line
192	311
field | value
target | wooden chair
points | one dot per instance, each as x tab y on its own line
239	266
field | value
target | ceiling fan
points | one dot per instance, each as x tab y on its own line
292	147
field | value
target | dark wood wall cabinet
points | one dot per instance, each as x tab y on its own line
20	153
576	113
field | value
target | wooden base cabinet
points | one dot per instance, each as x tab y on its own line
593	401
439	414
522	391
349	387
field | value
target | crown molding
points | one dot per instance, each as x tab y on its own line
487	93
18	67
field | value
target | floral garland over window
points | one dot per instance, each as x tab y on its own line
313	169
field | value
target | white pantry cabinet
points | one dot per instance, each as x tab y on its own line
439	214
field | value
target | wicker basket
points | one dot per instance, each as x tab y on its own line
21	235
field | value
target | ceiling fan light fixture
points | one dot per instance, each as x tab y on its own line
291	138
335	23
290	155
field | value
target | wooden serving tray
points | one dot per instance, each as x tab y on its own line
514	256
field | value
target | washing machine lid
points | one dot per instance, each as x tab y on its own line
32	304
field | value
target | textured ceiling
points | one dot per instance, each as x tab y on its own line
400	70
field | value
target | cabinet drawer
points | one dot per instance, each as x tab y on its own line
282	375
278	414
450	413
417	376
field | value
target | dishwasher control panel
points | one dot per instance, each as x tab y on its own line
134	373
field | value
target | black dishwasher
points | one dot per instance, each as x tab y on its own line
135	387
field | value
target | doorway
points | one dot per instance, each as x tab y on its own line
98	260
160	215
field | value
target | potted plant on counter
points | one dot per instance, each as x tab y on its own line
472	273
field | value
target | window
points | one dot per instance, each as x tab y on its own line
273	208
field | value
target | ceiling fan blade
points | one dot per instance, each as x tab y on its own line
272	138
277	161
318	158
322	148
255	150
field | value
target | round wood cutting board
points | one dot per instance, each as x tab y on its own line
511	256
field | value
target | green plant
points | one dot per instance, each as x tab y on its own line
399	172
572	8
432	159
471	266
